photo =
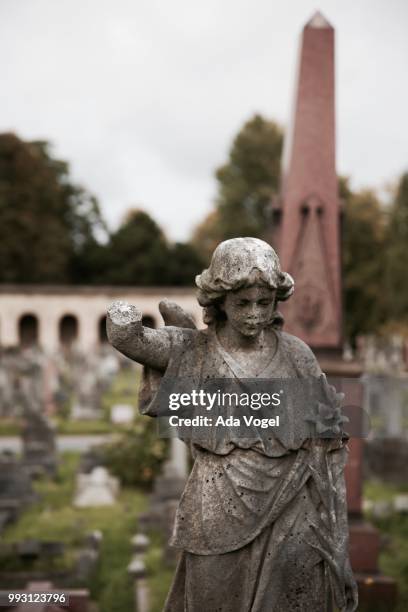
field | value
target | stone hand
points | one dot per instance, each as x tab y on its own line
123	320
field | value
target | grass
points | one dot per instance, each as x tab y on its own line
393	560
10	427
160	575
54	518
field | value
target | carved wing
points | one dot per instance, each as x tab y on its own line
174	315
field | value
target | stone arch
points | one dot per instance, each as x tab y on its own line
28	329
103	338
68	330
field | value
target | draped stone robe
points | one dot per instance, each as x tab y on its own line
262	522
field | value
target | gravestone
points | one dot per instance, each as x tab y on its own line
7	404
39	447
15	488
98	488
386	402
122	414
38	434
87	393
80	384
108	365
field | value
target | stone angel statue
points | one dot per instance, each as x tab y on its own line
262	522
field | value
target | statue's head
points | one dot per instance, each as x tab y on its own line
243	271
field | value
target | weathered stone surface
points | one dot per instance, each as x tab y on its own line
307	216
277	515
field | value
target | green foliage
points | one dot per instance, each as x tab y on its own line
394	556
247	183
10	426
63	226
184	263
139	254
41	209
136	455
250	178
396	256
160	575
363	244
54	518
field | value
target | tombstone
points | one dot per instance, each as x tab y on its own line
7	404
52	549
92	458
108	365
79	382
386	402
88	557
39	447
122	414
15	488
38	436
138	572
400	503
29	550
86	564
96	489
94	539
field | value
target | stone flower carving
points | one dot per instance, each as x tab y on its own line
327	417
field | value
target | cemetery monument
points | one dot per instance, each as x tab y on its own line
268	510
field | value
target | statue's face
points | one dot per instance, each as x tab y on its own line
249	310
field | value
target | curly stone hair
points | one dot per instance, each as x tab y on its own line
239	263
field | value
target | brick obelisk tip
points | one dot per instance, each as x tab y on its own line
318	20
308	239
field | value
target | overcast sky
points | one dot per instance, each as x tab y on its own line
143	97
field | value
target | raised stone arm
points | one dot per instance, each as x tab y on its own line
126	333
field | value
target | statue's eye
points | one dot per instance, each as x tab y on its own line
264	302
242	303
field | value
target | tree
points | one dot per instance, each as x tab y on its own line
45	221
207	235
138	252
363	243
246	184
184	263
396	288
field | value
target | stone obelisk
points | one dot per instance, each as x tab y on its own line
309	232
306	233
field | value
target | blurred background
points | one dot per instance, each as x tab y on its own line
134	137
